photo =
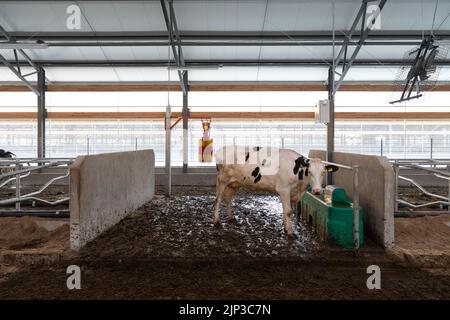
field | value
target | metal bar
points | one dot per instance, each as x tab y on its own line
29	74
5	34
342	166
175	123
396	173
431	148
17	62
331	123
18	75
28	59
355	210
18	187
176	33
21	51
169	26
422	188
361	41
213	36
31	195
4	183
54	164
348	36
215	62
423	205
426	169
37	160
35	199
172	29
442	177
36	213
41	113
185	115
168	167
249	43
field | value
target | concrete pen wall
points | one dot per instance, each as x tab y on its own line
104	188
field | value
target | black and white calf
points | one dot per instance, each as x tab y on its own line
6	154
281	171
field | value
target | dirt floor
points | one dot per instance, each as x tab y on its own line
169	249
424	240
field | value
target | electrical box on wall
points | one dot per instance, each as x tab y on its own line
322	111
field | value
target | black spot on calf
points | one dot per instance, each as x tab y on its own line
256	174
300	174
306	172
247	155
300	162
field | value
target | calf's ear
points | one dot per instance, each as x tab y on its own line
331	168
304	162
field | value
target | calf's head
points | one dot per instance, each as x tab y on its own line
316	172
6	154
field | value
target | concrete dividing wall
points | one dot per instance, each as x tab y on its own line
376	191
104	188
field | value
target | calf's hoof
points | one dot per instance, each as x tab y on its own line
231	220
292	235
216	223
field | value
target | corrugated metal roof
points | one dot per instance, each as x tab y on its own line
281	17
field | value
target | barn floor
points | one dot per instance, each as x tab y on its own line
168	249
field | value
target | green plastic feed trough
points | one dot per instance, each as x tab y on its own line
331	216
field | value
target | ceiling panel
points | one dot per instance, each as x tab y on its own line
40	16
218	52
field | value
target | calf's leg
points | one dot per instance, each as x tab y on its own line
229	192
220	188
285	196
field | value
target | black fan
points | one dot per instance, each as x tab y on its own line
421	72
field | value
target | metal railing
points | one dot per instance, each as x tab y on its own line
429	167
17	169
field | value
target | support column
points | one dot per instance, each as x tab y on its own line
330	124
185	114
168	169
42	113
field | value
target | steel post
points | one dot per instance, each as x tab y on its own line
168	168
185	115
17	169
41	113
356	210
330	124
396	173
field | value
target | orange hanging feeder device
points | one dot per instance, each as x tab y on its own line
205	148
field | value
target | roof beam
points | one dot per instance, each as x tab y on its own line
224	63
175	41
266	36
278	43
18	71
359	19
